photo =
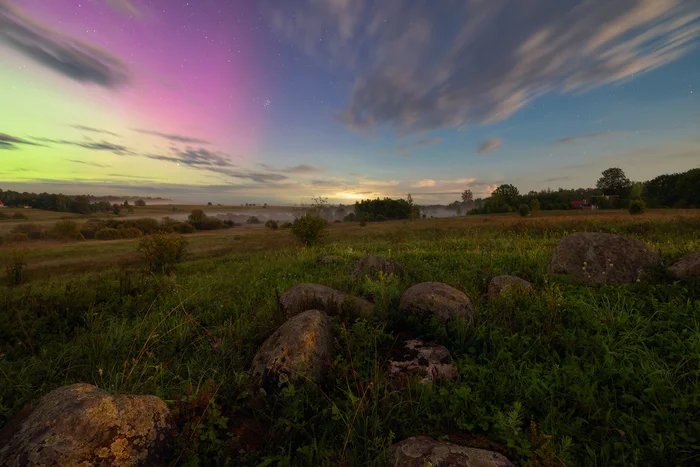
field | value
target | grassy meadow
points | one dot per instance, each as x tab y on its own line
566	375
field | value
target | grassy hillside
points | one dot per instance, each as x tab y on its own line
568	375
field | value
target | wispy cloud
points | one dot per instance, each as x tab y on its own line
68	56
125	6
92	164
424	183
93	145
173	137
489	145
11	142
420	144
590	136
95	130
433	65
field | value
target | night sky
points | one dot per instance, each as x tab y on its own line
274	101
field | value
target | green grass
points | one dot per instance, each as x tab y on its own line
567	375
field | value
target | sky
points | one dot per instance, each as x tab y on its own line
278	101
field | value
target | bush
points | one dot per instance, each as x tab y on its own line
107	233
140	203
162	251
535	207
286	225
184	228
637	206
308	230
88	234
33	231
252	220
15	265
17	238
524	210
19	215
147	225
380	218
363	223
130	232
66	230
272	224
350	217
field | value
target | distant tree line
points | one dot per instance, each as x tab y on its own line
78	204
613	190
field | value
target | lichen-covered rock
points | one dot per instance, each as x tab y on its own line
601	258
437	299
500	285
329	259
81	425
415	358
687	266
299	349
304	297
371	265
421	451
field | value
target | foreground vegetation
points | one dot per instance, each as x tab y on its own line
568	375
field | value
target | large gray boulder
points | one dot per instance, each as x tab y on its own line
501	285
371	265
601	258
421	451
437	299
81	425
300	349
687	266
417	359
304	297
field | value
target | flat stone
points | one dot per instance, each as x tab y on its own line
330	259
601	258
501	285
300	349
687	266
421	451
437	299
417	359
372	265
304	297
82	425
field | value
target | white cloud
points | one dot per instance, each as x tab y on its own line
489	145
423	183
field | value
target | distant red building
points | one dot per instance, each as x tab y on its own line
1	204
582	204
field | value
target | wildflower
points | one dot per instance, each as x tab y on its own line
99	371
217	342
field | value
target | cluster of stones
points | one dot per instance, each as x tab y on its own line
80	424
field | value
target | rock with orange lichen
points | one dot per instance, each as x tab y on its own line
300	349
82	425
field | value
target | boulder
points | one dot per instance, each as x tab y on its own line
371	265
415	358
81	425
601	258
506	284
421	451
687	266
299	349
304	297
437	299
330	259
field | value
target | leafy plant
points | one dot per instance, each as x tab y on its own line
15	265
272	224
637	206
524	210
162	251
107	233
309	229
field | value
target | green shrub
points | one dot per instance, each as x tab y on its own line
286	225
252	220
87	234
107	233
32	230
270	224
524	210
637	206
535	207
350	217
308	229
66	230
162	251
15	265
184	228
130	232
